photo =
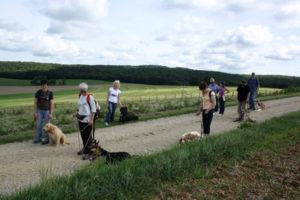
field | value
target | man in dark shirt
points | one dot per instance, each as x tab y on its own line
43	109
242	96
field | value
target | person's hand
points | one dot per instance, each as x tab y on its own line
91	122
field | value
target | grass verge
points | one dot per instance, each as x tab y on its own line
145	176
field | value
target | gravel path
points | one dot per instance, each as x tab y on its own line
24	163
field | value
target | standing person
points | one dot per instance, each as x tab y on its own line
215	88
43	110
113	99
222	92
253	84
242	96
85	115
206	107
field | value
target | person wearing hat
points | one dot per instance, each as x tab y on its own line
242	97
215	88
222	92
85	115
43	110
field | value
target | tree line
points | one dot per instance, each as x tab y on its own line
144	74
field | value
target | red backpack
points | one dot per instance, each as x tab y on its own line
88	97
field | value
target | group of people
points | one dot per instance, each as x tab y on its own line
214	98
213	101
86	110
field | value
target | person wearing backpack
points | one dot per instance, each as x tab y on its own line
85	115
206	107
215	88
112	101
43	110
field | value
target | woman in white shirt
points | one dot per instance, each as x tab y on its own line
85	115
113	99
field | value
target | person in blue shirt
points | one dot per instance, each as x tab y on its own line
253	84
215	88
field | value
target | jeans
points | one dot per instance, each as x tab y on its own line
222	105
207	119
217	104
42	118
252	100
110	115
86	136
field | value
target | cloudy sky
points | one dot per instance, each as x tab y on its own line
236	36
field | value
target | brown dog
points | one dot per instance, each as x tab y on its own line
56	136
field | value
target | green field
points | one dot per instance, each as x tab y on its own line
130	92
193	170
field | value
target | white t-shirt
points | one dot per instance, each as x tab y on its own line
113	95
84	108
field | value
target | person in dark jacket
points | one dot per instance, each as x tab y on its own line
243	97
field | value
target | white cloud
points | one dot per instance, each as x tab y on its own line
187	4
73	18
285	52
245	36
11	26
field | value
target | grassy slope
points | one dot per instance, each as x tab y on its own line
144	177
131	92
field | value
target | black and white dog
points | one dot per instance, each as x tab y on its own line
111	157
127	116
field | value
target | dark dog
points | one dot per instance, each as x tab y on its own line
111	157
127	116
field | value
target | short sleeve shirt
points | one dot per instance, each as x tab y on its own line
43	99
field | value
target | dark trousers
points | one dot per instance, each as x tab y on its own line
217	104
86	136
207	119
110	115
222	105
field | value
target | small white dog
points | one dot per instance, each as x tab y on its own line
56	136
187	137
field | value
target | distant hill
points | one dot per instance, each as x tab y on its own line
146	74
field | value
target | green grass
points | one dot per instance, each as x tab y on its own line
130	92
145	176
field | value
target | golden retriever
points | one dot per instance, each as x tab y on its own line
56	136
187	137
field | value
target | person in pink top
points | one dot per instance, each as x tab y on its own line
222	93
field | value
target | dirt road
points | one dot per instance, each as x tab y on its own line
24	163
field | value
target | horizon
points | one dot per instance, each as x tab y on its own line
236	37
140	65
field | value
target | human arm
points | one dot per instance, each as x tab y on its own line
35	108
93	110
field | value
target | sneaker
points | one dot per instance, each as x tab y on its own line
106	124
220	115
258	109
36	141
45	142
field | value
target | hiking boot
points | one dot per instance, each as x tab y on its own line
237	120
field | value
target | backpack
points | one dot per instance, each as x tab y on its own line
97	114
